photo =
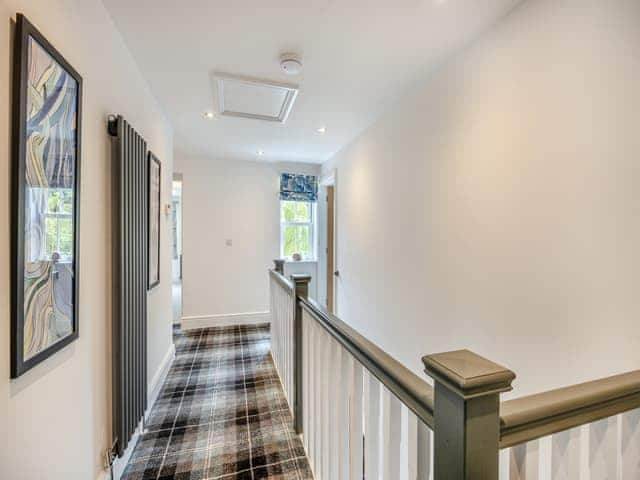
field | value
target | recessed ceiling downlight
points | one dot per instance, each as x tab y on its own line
290	63
209	115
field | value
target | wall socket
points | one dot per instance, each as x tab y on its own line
228	242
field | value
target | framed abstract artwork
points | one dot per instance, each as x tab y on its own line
46	133
153	187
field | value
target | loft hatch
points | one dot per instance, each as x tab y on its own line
246	97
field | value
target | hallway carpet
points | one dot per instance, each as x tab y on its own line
221	414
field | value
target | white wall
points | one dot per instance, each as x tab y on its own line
55	420
230	200
496	208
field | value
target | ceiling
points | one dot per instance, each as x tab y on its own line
358	56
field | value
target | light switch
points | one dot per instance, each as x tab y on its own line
228	242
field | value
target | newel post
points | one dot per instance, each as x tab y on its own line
467	414
279	266
301	284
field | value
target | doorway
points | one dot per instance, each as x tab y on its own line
331	266
176	263
328	270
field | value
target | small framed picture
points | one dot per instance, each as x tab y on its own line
45	240
153	186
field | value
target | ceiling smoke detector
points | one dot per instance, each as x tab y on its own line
290	63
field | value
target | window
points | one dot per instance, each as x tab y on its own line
58	221
297	232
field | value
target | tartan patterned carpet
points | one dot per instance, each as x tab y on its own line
221	414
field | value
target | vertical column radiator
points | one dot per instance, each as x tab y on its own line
129	279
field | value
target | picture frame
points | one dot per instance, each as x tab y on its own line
45	194
154	183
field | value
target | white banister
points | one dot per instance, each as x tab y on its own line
353	418
373	417
282	333
601	450
408	445
347	407
363	415
342	418
393	435
565	454
326	402
356	404
630	445
424	452
335	412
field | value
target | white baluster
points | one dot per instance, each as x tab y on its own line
280	347
291	348
282	341
425	452
504	461
356	409
287	348
372	430
409	446
319	397
630	448
315	419
326	404
545	448
392	431
305	383
335	394
603	454
524	462
290	358
346	371
384	449
565	455
277	334
274	322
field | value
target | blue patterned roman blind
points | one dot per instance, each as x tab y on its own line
299	188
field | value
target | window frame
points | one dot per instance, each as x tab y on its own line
58	216
312	230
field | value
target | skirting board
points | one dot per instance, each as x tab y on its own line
157	381
206	321
160	376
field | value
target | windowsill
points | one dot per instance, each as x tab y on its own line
301	261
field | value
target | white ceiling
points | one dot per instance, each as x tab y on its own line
358	56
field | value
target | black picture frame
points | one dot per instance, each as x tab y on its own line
153	215
25	31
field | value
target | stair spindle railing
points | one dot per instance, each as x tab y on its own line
363	415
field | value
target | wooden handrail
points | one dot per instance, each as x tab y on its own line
535	416
408	387
282	280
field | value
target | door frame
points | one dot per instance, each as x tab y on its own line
179	216
330	180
